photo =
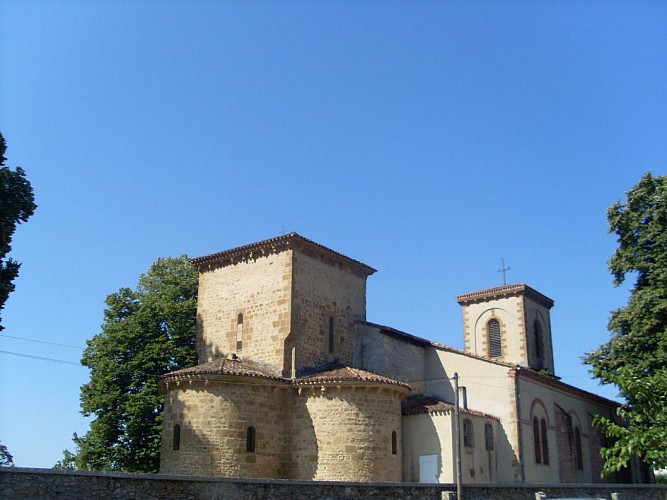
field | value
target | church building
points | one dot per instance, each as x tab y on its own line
294	382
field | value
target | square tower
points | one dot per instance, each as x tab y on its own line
510	323
286	302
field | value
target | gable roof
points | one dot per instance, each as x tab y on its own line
279	244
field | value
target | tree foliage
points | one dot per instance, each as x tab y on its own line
635	358
6	458
146	333
17	204
68	462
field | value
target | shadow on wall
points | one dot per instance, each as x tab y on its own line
506	472
302	450
425	442
226	430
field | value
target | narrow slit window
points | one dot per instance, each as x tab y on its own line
545	443
394	443
488	437
577	448
539	345
239	332
495	343
250	440
177	438
468	434
331	334
537	441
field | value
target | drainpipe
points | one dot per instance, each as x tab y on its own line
457	440
517	392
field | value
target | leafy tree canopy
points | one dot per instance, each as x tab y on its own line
6	458
68	461
635	358
17	204
146	333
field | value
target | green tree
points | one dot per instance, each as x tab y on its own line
146	333
17	204
6	458
68	461
635	358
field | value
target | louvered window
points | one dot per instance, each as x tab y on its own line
495	345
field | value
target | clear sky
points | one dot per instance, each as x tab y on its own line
427	139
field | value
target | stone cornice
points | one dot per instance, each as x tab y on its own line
511	290
277	245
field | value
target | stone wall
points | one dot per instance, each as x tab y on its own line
259	288
19	484
214	420
345	433
324	292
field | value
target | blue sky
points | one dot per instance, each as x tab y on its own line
427	139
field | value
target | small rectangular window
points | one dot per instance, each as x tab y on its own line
488	436
468	434
177	438
250	440
331	335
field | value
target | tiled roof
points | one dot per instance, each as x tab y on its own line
226	367
392	332
290	240
420	404
347	374
237	367
505	291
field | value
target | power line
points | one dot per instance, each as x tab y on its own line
41	358
41	342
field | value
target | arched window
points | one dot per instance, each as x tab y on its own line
239	332
545	443
537	440
468	434
394	443
250	440
331	334
495	344
539	344
177	438
579	456
488	437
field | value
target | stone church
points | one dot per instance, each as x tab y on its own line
294	382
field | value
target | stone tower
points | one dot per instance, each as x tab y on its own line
287	302
510	323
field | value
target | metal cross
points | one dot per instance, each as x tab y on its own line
504	271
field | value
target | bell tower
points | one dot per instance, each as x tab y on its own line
510	323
